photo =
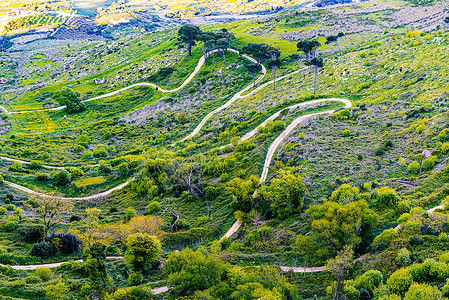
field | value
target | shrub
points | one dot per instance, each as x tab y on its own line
445	148
10	225
79	148
135	278
422	292
100	151
386	236
346	132
200	221
130	213
414	167
386	197
399	281
75	172
66	243
44	273
34	165
123	168
42	176
420	128
404	218
43	250
135	292
403	258
442	136
7	201
87	155
104	168
32	279
429	163
392	115
10	207
153	207
369	280
1	180
192	90
2	210
32	233
61	178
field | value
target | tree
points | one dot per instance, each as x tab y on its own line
254	69
70	99
94	257
337	266
423	292
242	192
189	271
188	173
91	221
336	225
188	34
208	39
222	45
143	252
308	47
258	51
286	194
50	209
316	62
334	39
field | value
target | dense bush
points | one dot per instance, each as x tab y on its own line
153	207
61	177
43	250
66	243
42	176
31	233
399	281
100	151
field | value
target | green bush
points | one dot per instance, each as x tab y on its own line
43	250
31	233
429	163
130	213
369	280
1	180
153	207
123	169
34	165
10	225
61	178
399	281
79	148
403	258
44	273
10	207
104	168
135	278
2	210
42	176
414	167
386	197
386	236
346	132
192	90
87	155
422	292
100	151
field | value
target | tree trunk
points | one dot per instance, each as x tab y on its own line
339	291
205	55
274	79
213	56
224	58
314	81
189	46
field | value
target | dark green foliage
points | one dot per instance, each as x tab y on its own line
65	243
70	99
161	74
94	257
188	34
62	177
43	250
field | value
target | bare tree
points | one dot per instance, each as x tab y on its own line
188	172
50	209
337	266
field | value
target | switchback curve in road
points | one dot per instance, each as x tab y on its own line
198	67
280	138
